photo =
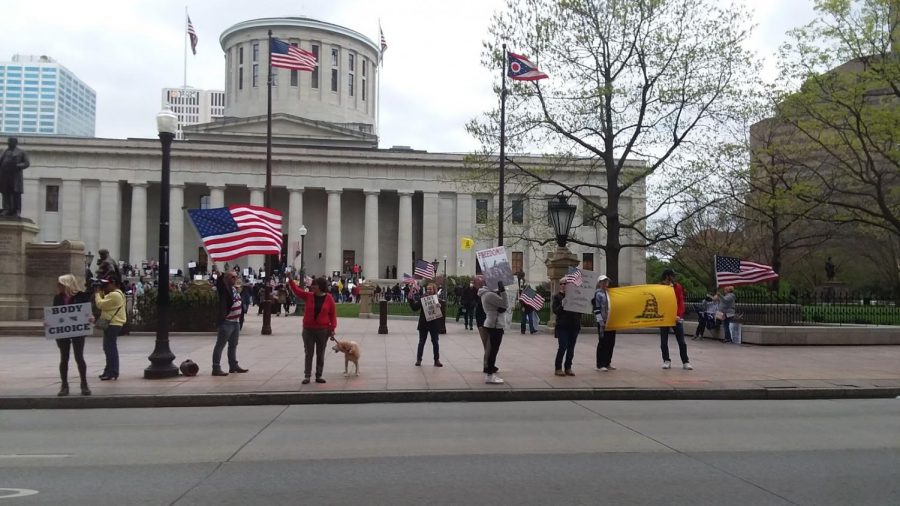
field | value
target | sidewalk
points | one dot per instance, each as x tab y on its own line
29	375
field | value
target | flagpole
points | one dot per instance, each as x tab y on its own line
378	84
267	304
186	37
502	144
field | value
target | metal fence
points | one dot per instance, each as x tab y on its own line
808	309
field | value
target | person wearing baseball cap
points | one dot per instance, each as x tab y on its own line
606	338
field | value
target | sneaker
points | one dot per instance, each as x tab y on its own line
604	369
611	367
667	364
493	379
305	381
688	366
559	372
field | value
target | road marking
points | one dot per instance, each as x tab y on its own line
34	456
9	493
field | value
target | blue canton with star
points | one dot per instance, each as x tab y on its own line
213	221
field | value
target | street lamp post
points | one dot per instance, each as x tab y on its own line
302	269
561	214
161	360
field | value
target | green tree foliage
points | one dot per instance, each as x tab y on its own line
638	91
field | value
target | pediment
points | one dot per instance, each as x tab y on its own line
285	128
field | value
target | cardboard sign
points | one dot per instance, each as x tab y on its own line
432	307
73	320
578	298
191	265
495	267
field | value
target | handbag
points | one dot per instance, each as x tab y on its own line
720	315
103	323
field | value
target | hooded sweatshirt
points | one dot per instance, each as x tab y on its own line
492	302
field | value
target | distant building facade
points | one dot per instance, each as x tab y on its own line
38	96
193	106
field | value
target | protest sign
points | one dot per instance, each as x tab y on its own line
72	320
578	298
432	307
495	267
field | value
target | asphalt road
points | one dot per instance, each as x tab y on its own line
655	452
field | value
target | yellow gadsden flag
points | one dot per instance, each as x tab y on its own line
466	243
641	306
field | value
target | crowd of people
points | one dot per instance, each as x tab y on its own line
480	307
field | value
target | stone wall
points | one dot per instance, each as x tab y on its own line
44	263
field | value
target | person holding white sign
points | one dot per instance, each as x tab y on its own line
430	321
70	291
568	325
495	304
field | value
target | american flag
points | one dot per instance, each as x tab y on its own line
734	271
409	280
286	56
236	231
532	298
573	276
193	35
424	269
383	40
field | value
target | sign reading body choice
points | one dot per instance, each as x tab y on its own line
73	320
578	298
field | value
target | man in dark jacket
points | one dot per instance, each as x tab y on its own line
426	327
229	317
12	162
568	325
467	302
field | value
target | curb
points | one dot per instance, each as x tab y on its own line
409	396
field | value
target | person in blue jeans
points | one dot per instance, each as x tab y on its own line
111	302
528	316
568	325
668	278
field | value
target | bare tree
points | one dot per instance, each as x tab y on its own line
637	92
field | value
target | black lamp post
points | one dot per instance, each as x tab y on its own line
161	360
302	269
561	215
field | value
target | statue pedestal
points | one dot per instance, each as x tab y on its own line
832	291
45	263
15	235
366	294
558	263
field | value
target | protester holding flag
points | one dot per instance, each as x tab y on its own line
726	310
668	278
231	306
606	338
319	323
426	327
532	302
568	325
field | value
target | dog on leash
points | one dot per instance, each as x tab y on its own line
350	349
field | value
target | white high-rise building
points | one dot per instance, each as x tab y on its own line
193	106
40	96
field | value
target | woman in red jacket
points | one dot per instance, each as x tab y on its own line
319	322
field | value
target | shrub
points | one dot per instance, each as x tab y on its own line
192	311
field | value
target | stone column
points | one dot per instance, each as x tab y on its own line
137	245
257	198
90	219
430	210
70	209
333	251
295	219
404	235
110	217
370	264
216	197
176	228
464	224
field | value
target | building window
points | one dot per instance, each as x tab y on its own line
518	262
334	80
241	78
294	76
204	202
350	84
240	56
365	68
481	211
51	201
334	57
587	261
363	89
314	78
256	51
255	77
518	212
351	63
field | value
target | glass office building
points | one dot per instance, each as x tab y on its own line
40	96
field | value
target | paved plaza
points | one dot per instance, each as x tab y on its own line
29	377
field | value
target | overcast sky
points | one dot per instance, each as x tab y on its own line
432	82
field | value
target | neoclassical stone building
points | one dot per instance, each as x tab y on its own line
360	204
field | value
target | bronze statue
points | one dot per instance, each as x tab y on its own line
829	269
12	162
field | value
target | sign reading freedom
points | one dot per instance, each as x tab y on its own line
73	320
